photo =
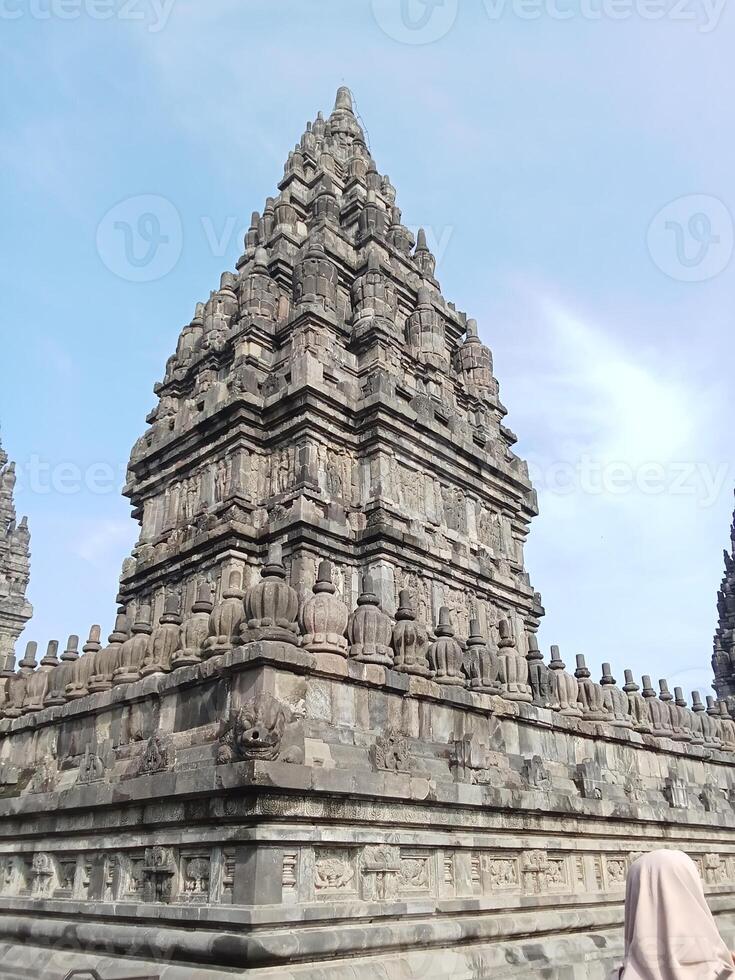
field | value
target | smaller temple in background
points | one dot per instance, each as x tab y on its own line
723	659
15	565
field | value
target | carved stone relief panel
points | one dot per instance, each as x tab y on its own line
195	876
335	873
380	865
500	872
416	875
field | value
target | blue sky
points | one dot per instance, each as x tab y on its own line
541	142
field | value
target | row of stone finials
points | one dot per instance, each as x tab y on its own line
270	611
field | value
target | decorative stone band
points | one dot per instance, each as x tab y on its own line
269	611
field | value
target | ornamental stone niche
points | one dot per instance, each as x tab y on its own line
275	766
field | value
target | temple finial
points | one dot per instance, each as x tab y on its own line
343	102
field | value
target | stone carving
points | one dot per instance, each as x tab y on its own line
159	873
658	711
324	616
369	629
591	781
513	667
676	791
591	696
83	667
410	640
538	673
9	775
712	799
616	869
415	875
37	683
637	706
535	774
44	776
676	718
502	873
702	722
44	876
381	866
159	755
564	687
685	722
714	869
62	674
445	653
165	640
104	662
334	874
391	753
133	652
727	727
92	767
615	701
272	605
226	619
481	665
535	866
195	629
254	730
196	877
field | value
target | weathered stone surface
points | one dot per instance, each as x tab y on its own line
279	763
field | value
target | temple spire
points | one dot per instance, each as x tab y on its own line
723	658
15	610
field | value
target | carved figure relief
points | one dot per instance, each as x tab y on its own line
334	874
391	753
159	755
254	731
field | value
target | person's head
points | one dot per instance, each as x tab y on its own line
669	930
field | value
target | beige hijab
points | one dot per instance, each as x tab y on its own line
670	933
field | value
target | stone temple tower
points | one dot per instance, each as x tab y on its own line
327	397
15	610
723	659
